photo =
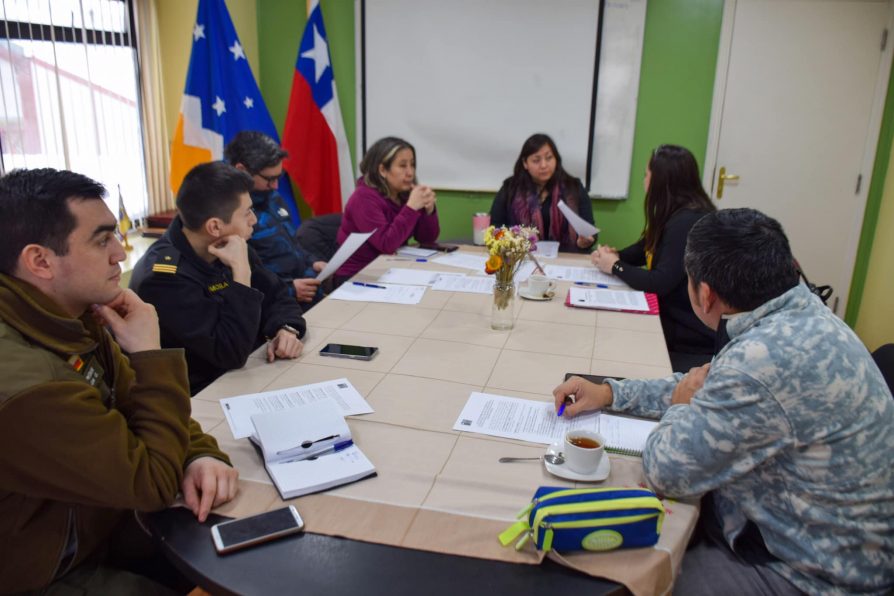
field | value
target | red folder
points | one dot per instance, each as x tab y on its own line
651	300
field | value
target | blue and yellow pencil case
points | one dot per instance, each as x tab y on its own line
596	519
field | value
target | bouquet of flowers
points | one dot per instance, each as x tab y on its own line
508	248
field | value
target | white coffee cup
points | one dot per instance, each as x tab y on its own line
581	452
540	285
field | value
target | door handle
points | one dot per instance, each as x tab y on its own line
721	180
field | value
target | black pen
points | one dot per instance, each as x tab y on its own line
360	283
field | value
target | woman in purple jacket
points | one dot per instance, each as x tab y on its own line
388	200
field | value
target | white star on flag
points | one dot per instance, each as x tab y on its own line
198	31
319	54
237	50
249	102
219	106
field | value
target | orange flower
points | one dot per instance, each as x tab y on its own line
499	234
493	264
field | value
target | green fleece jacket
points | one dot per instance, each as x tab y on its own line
87	434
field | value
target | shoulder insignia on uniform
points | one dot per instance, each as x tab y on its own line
163	268
76	363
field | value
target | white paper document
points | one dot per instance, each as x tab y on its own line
590	275
537	422
239	410
515	418
548	249
344	252
462	260
415	252
609	299
414	277
471	284
580	225
364	292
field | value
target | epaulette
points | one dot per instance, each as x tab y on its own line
166	261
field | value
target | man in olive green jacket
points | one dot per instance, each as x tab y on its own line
91	427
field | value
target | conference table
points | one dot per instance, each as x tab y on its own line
429	519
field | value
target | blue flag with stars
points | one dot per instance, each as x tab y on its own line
221	98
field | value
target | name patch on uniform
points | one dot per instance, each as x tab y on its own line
218	286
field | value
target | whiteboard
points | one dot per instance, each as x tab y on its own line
467	82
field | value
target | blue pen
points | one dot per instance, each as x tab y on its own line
360	283
406	259
590	285
569	399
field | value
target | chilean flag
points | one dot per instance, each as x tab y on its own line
314	135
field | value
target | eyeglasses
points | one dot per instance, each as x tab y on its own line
268	179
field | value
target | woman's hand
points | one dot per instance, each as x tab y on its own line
422	197
604	258
585	241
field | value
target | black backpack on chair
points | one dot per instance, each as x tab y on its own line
824	292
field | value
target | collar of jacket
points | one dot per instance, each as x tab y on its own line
798	297
39	318
175	236
259	198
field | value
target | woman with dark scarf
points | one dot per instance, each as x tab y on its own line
531	196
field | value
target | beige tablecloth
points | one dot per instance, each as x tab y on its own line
437	489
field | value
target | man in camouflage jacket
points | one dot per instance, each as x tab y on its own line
790	428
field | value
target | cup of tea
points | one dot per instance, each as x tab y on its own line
540	285
584	449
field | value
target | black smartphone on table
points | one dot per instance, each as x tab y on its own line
439	247
348	351
241	533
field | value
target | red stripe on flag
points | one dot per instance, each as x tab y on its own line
313	158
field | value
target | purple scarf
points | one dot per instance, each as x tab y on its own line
527	213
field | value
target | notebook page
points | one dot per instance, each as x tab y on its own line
625	434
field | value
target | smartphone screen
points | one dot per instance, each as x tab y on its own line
239	533
348	351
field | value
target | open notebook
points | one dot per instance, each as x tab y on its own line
309	448
624	435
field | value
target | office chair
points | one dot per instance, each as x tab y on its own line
884	359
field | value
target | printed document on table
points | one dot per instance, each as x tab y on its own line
462	260
239	410
344	252
548	249
590	275
580	225
414	277
608	299
392	293
472	284
515	418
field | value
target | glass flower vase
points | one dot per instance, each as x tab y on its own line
503	310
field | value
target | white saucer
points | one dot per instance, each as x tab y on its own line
523	292
563	471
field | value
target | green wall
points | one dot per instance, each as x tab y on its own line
677	82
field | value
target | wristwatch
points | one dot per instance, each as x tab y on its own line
617	267
291	329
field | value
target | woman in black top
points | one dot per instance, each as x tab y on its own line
531	196
675	200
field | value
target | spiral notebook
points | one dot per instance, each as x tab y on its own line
624	435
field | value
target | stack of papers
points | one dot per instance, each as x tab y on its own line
536	422
414	277
302	433
608	299
590	275
239	410
472	284
462	260
415	252
366	292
